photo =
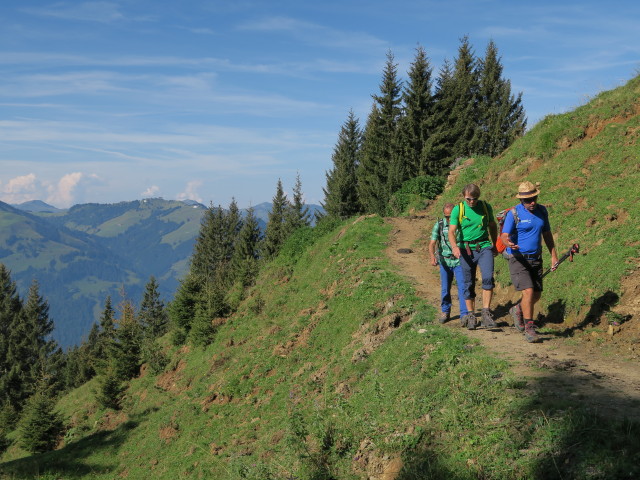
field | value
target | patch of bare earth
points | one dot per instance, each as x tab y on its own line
598	369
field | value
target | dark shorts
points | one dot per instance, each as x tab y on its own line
526	273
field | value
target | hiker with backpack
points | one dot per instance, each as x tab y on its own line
449	265
473	220
525	226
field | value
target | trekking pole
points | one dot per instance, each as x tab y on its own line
575	248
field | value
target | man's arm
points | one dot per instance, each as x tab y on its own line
551	245
453	241
432	252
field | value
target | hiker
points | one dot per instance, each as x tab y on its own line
522	234
449	265
474	219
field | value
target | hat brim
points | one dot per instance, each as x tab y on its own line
534	193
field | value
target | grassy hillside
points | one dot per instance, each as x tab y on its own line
588	165
332	368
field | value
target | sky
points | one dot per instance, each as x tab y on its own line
119	100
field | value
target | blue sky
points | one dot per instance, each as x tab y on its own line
105	101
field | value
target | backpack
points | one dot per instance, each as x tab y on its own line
461	211
500	217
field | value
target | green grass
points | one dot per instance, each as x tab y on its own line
332	364
589	183
304	382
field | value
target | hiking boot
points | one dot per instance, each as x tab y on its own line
487	319
530	333
471	321
444	317
463	320
516	314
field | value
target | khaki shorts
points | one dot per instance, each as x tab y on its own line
526	273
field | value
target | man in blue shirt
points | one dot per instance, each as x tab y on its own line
522	233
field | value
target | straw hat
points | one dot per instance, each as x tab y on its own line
527	190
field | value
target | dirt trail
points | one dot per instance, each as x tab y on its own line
609	385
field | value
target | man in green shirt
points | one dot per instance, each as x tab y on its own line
449	265
474	220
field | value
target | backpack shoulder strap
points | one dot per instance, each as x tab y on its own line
514	212
461	213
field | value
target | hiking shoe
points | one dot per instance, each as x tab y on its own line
463	320
487	319
444	317
471	321
516	314
530	333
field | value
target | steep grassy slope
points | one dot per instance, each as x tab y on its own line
588	165
332	368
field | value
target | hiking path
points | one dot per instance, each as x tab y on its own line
608	384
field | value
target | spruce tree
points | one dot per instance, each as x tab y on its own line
152	314
10	313
382	167
247	250
416	125
40	426
128	343
297	213
372	170
465	108
441	138
340	194
183	307
275	233
500	115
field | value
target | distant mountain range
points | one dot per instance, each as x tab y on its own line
81	255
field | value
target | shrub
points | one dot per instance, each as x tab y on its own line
414	192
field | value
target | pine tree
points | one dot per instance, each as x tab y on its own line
10	313
500	115
127	355
275	233
110	388
247	251
382	167
183	307
416	125
40	426
340	194
465	108
152	314
297	214
202	330
441	137
372	171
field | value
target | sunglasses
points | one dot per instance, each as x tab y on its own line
471	199
447	216
529	200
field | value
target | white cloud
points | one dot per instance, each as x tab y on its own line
68	187
20	189
150	192
190	192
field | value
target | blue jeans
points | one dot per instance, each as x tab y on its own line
469	264
446	280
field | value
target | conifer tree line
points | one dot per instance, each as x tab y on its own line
419	128
34	370
226	259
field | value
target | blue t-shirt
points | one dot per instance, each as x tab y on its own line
528	233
